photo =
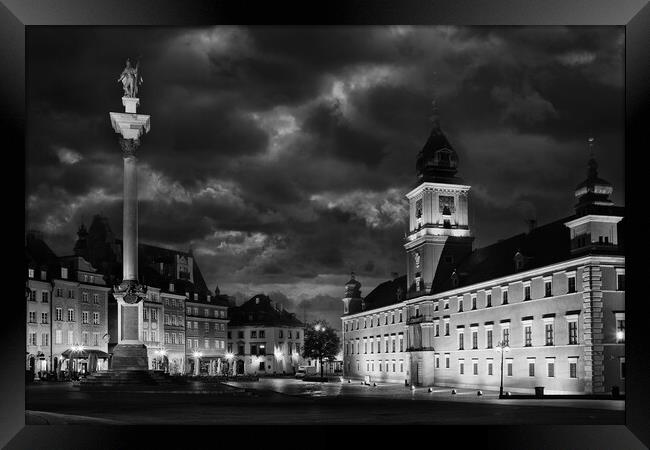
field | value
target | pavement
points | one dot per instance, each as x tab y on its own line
289	401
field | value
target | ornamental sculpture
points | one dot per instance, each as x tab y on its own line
131	79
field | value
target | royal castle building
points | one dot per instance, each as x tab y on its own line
550	302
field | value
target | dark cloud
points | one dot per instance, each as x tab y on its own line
283	154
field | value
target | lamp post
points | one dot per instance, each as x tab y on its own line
229	358
319	328
197	368
502	347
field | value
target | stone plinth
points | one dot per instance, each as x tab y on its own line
129	357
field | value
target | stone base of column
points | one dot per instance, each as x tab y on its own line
130	357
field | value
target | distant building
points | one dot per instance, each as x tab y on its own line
264	339
554	296
206	324
174	329
68	310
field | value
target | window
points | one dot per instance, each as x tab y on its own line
30	273
475	366
84	338
189	310
437	357
571	284
573	332
84	297
437	329
154	314
550	367
621	365
262	334
490	367
531	367
64	272
620	280
59	314
547	288
32	296
488	300
446	360
84	317
447	327
446	304
32	317
206	326
393	343
59	292
44	317
620	327
460	305
461	366
70	293
509	367
474	301
528	335
386	319
206	343
504	296
240	335
253	334
393	317
461	340
95	339
45	297
527	291
474	339
32	339
400	315
573	367
401	343
548	333
188	324
505	335
70	315
145	313
167	341
386	343
289	333
70	337
58	337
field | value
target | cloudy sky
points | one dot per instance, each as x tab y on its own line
282	155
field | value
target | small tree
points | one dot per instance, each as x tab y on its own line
321	342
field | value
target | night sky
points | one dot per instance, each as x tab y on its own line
282	155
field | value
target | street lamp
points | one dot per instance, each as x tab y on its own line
502	347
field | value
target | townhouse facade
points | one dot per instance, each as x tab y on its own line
264	339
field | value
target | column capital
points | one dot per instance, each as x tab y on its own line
128	146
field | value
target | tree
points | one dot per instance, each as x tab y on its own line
321	342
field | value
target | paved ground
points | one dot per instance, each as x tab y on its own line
286	401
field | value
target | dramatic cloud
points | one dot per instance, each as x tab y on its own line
281	155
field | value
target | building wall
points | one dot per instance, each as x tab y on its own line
39	323
174	331
206	328
429	346
278	358
153	327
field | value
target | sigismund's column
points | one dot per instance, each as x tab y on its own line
130	352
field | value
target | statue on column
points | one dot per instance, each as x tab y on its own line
131	79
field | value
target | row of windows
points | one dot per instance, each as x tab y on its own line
45	296
390	345
508	366
173	338
206	326
194	310
58	338
85	315
32	317
261	334
386	366
85	298
217	344
173	302
374	320
173	320
150	312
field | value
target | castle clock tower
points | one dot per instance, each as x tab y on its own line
439	235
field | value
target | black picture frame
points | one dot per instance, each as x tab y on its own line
634	15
